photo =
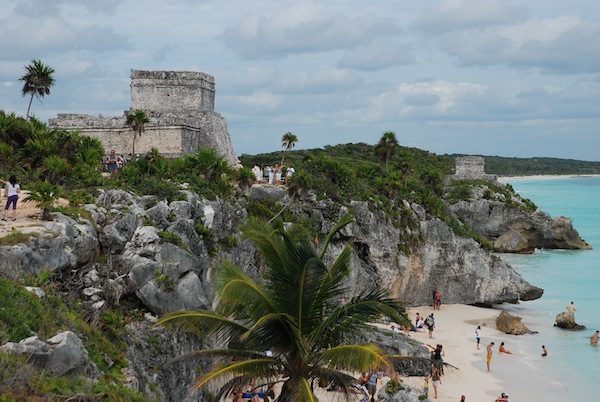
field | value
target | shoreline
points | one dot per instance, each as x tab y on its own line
504	179
455	330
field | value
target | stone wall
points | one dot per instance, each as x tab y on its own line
471	168
181	92
180	106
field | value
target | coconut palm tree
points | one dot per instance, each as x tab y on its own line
386	147
288	141
137	120
292	325
37	81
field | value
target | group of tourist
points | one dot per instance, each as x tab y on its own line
273	174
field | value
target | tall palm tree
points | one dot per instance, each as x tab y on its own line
386	147
288	141
137	120
37	81
292	326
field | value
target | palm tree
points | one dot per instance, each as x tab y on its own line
137	120
292	326
37	81
288	141
386	147
45	195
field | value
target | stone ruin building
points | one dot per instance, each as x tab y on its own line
180	106
471	168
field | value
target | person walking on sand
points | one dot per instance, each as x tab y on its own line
462	399
594	339
13	189
478	335
544	351
436	381
489	355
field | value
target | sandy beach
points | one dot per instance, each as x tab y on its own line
455	330
504	179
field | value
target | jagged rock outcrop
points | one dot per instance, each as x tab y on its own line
62	354
160	362
458	267
514	230
566	320
63	244
510	324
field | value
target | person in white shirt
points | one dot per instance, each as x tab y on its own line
13	190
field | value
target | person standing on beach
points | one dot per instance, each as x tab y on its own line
462	398
478	335
430	324
489	355
13	189
544	351
594	339
436	381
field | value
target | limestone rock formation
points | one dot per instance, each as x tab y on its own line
61	354
566	320
65	244
458	267
513	230
510	324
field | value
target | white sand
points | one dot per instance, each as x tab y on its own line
455	330
505	179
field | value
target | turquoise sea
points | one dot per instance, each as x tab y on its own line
571	371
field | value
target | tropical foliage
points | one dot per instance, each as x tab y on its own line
291	325
288	141
37	81
137	120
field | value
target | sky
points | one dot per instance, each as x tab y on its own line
488	77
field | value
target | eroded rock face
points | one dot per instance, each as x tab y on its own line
458	267
510	324
60	355
514	230
64	244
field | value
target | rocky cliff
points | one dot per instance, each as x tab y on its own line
505	220
163	254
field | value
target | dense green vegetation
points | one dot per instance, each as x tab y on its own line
503	166
23	314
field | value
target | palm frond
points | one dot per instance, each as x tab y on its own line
304	391
357	357
259	368
344	221
204	321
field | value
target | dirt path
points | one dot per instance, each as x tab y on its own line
28	217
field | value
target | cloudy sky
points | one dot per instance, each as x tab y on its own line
491	77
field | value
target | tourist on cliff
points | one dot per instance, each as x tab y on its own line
257	174
277	175
13	189
111	162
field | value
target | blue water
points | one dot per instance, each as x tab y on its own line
571	372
